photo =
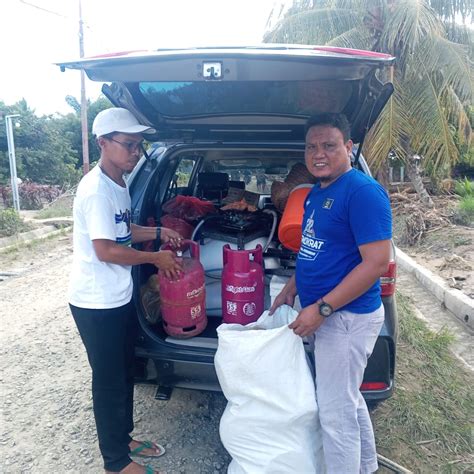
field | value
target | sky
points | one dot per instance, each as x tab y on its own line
35	34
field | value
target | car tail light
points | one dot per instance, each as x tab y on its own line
117	54
388	280
367	386
352	51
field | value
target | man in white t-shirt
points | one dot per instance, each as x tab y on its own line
100	293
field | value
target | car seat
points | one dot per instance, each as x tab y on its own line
212	186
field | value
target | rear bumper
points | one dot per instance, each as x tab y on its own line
171	372
201	374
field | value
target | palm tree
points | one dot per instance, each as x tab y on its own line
432	75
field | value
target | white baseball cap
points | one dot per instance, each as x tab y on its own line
118	120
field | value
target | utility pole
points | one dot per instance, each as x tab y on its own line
11	156
85	134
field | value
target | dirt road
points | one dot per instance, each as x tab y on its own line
46	422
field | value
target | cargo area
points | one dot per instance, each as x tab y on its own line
241	195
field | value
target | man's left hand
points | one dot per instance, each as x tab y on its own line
171	236
307	322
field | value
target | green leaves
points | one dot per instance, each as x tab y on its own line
48	149
323	24
406	24
433	76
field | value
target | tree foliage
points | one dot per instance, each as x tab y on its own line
48	149
433	79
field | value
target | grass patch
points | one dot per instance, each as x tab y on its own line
460	241
427	425
466	209
61	207
51	212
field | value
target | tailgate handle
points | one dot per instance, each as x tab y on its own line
212	70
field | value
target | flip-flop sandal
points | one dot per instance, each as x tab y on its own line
147	445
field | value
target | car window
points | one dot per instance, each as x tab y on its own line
184	171
181	99
257	179
180	181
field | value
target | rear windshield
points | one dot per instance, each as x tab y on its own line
184	99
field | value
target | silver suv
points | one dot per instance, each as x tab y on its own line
233	118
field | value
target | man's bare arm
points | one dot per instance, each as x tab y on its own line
111	252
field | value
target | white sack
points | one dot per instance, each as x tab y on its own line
270	424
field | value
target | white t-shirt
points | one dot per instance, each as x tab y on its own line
101	211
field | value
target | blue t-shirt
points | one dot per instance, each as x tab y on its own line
352	211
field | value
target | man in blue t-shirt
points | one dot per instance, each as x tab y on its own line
345	248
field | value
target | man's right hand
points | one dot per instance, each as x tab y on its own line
284	297
167	261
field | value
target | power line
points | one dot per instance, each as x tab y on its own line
44	9
66	17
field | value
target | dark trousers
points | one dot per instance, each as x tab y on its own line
108	335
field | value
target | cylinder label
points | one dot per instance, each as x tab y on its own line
195	311
232	308
239	289
249	309
194	293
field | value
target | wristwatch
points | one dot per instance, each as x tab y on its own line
325	309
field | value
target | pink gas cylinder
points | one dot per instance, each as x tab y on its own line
183	301
242	285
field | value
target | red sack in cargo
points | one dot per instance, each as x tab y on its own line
189	208
180	226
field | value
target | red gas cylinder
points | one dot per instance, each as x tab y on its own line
183	301
242	285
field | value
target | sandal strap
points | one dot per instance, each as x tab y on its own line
139	449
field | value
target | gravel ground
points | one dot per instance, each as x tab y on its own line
46	420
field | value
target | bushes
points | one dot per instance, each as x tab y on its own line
466	211
32	195
11	223
464	188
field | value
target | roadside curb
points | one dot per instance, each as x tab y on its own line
7	243
454	300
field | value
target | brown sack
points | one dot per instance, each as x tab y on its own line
280	191
150	294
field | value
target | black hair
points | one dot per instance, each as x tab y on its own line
338	121
107	136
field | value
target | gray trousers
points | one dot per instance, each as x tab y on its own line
342	345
